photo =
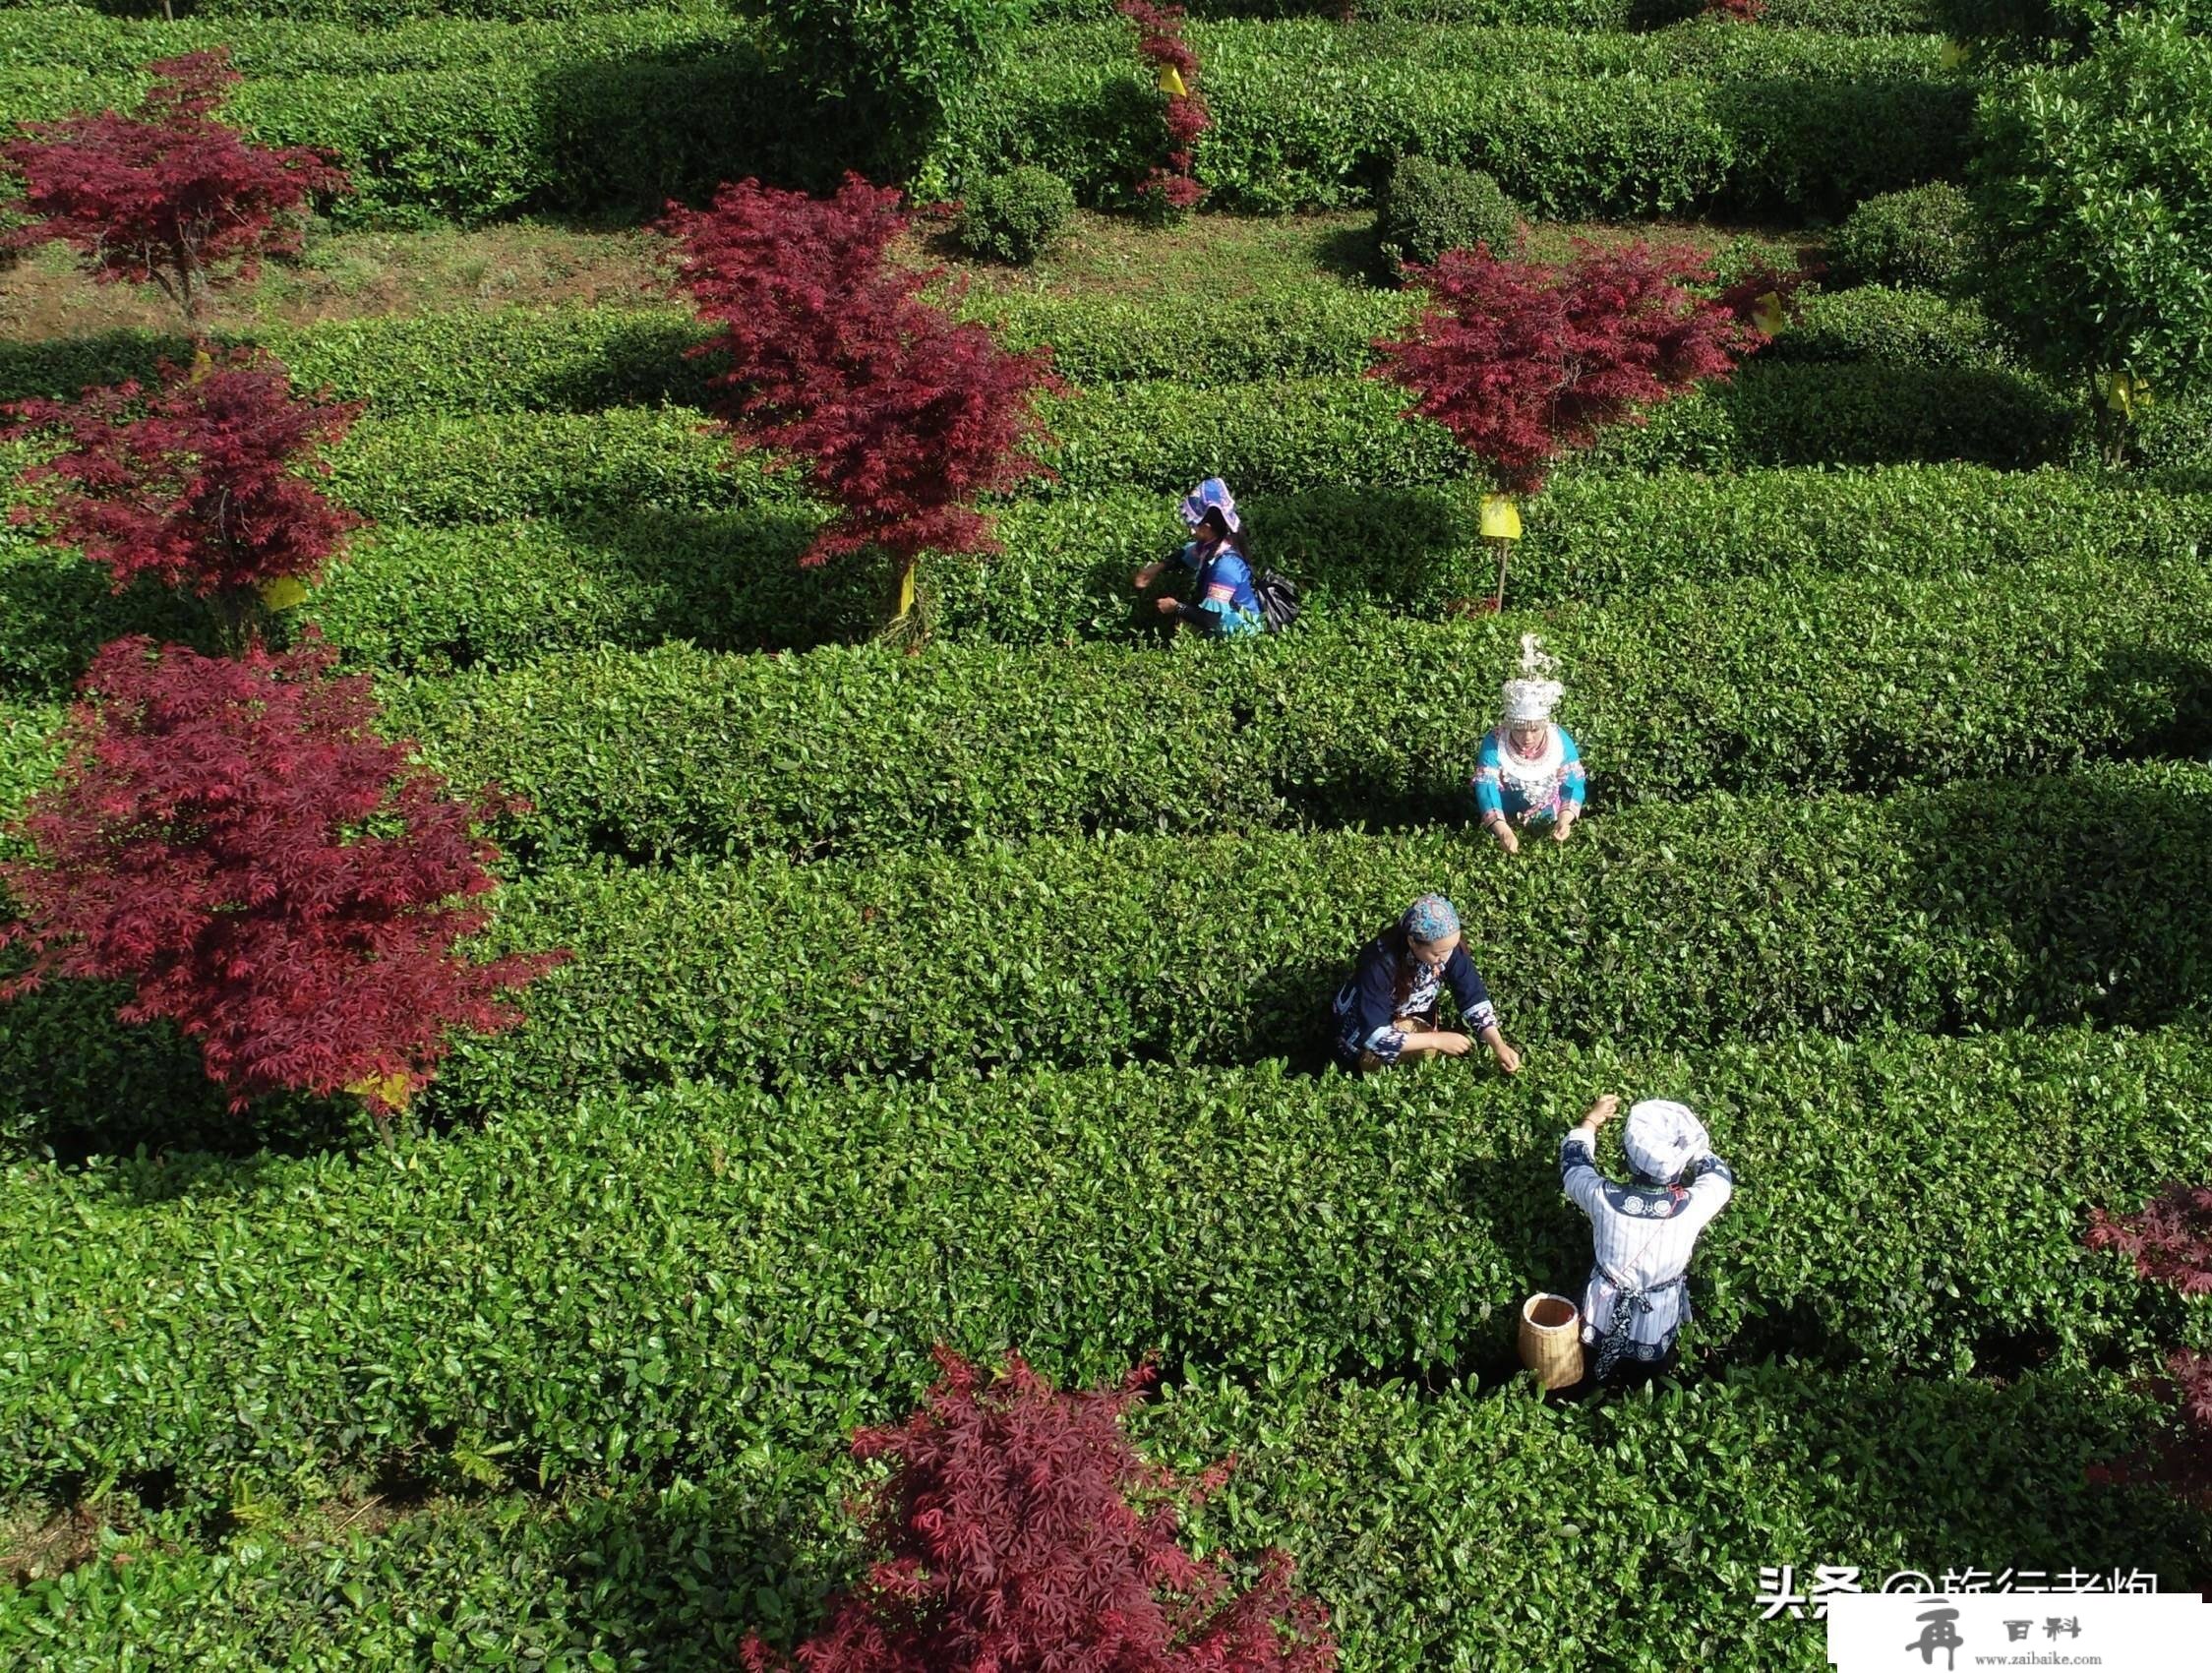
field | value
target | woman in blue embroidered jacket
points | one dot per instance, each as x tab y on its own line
1637	1299
1528	771
1225	607
1387	1012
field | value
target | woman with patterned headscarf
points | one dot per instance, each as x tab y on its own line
1637	1299
1529	772
1387	1012
1227	605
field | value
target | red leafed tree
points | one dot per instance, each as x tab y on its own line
900	415
2170	1240
1160	39
1521	360
168	195
1023	1533
1742	11
205	483
284	885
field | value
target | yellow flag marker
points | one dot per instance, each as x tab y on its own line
1501	519
283	593
1954	54
393	1089
1767	314
2126	393
1171	81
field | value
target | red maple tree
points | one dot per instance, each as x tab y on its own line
2170	1240
1023	1533
900	415
1522	360
1160	39
205	483
283	884
169	195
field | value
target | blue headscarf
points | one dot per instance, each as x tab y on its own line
1212	495
1430	919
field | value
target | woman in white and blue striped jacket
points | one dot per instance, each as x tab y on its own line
1637	1299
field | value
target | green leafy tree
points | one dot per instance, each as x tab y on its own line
888	70
2051	30
2095	180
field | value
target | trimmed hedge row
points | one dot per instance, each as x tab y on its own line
1408	1514
1289	436
1973	907
115	47
1305	113
1791	681
385	14
495	139
1838	17
575	358
759	1271
1314	114
1295	434
432	599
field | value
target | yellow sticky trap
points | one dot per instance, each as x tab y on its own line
2125	394
391	1089
1501	519
283	593
1171	81
1954	54
1767	314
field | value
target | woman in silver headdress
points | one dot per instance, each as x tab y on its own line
1528	771
1227	605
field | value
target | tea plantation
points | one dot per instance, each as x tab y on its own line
974	989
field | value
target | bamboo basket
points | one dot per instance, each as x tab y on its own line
1551	1341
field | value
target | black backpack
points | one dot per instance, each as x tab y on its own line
1279	600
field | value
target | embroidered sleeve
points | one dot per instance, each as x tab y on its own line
1467	988
1709	1191
1374	988
1578	1176
1573	784
1489	787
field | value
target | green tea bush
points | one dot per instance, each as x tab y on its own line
1922	239
1378	1491
1314	113
1893	327
888	73
1788	682
369	14
2042	31
759	1272
475	120
575	358
1282	436
1973	907
432	598
1015	217
2098	209
103	46
1839	17
491	139
1428	208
